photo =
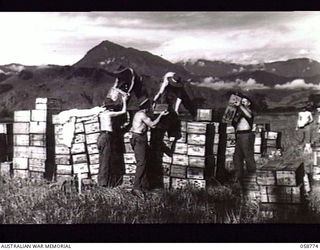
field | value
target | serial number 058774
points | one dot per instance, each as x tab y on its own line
308	245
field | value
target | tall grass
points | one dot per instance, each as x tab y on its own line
26	202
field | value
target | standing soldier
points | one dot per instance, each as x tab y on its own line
243	122
304	126
139	141
105	177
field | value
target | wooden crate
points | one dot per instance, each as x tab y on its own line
55	119
6	169
94	169
204	115
129	158
178	159
94	159
92	138
37	165
80	168
92	148
166	182
38	127
230	151
38	152
128	148
265	177
21	140
230	130
196	150
181	148
62	150
39	115
197	139
79	127
79	158
291	175
20	163
21	128
179	183
166	169
62	159
92	128
197	161
128	181
215	149
127	136
22	116
130	168
38	140
183	126
79	138
197	184
64	169
199	127
178	171
20	152
166	159
195	173
19	173
78	148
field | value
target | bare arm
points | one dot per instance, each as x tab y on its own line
124	108
161	90
132	80
246	111
178	102
150	123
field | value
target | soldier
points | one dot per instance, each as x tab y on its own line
139	140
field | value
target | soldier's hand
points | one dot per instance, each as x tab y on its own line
165	112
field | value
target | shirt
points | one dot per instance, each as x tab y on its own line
304	118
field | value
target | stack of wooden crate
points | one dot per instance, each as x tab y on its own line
83	155
315	171
271	143
33	140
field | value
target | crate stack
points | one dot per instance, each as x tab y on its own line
33	140
271	146
281	183
192	160
259	143
82	158
315	171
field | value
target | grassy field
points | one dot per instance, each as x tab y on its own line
30	202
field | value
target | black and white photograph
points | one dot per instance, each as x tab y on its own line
160	117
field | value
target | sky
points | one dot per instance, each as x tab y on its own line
242	37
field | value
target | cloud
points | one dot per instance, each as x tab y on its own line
298	84
213	83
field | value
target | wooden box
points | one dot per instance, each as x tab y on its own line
195	173
55	119
94	169
92	128
80	168
38	140
183	126
62	150
94	159
179	183
291	175
6	169
128	148
92	138
178	171
257	149
197	184
215	149
22	116
79	127
129	158
166	169
204	115
62	159
38	152
37	165
271	135
20	152
78	148
229	114
80	158
197	161
92	148
166	182
266	177
21	140
181	148
195	150
216	139
127	136
20	163
178	159
21	128
197	139
19	173
130	168
39	115
166	159
198	127
128	181
230	130
79	138
230	150
64	169
38	127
